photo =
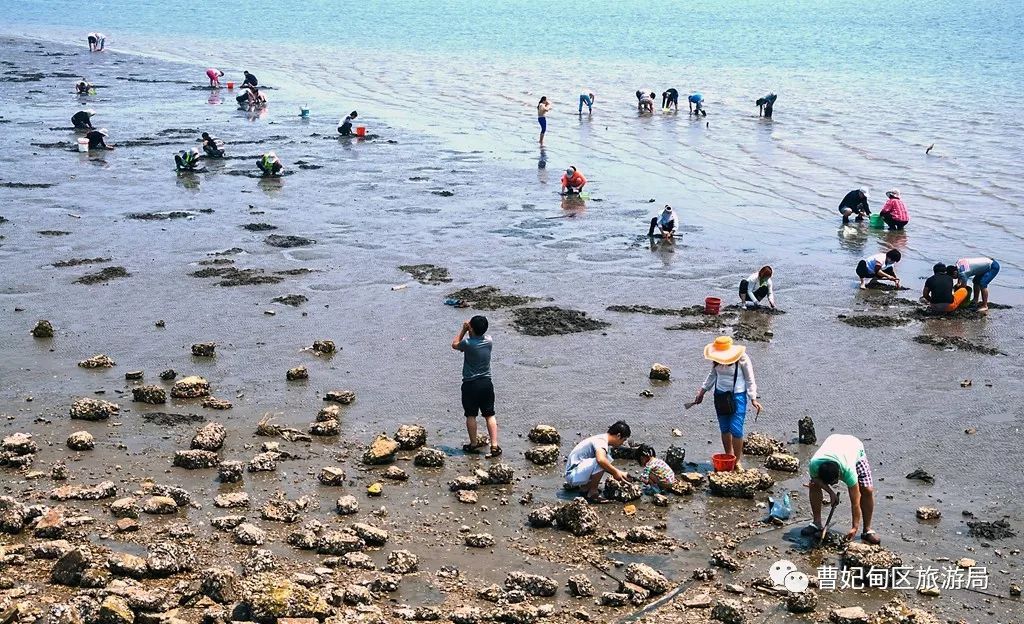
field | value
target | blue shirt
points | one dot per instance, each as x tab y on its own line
696	97
476	363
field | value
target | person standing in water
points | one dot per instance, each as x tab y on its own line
573	181
696	101
732	378
665	222
82	120
670	99
97	41
981	271
894	212
588	99
477	387
757	287
765	105
542	116
345	125
214	75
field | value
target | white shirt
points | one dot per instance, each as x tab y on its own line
667	216
721	375
877	262
587	449
753	283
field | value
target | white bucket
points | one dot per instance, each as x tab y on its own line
83	145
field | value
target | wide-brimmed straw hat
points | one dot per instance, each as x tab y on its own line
723	351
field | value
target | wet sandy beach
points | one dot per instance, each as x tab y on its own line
405	198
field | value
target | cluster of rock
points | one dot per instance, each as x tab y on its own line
762	445
739	483
576	517
18	450
93	409
548	439
783	462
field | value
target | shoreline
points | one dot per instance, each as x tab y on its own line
390	338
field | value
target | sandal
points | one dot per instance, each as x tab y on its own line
871	538
472	450
597	500
810	529
495	451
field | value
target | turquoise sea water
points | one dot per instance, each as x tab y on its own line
864	88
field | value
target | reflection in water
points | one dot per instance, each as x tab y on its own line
896	239
542	162
214	98
853	238
664	247
270	184
188	180
573	203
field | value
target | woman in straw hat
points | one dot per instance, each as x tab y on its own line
732	377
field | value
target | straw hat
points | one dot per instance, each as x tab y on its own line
723	351
103	131
894	193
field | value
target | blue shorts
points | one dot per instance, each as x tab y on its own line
543	121
986	278
734	424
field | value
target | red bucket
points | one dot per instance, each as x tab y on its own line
723	462
231	85
712	305
360	131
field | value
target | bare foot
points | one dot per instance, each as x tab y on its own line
983	308
862	286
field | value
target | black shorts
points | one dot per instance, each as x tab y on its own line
478	397
758	294
93	40
862	270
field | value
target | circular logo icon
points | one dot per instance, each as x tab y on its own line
796	582
779	570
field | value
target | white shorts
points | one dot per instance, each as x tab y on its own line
581	473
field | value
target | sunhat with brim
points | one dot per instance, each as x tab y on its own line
893	193
90	112
864	190
103	131
723	351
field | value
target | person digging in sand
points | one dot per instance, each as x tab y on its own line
187	160
842	458
270	165
573	181
981	271
98	139
214	75
212	146
477	388
855	204
657	476
732	377
757	287
82	120
880	266
591	459
665	222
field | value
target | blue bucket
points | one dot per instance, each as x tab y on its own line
304	112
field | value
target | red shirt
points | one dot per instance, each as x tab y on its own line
896	209
576	181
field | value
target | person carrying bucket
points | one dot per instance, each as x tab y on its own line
665	222
696	101
894	212
82	120
855	203
187	160
757	287
345	125
981	271
842	458
880	266
572	181
732	378
588	99
270	164
214	75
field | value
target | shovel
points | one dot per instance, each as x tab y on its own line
828	521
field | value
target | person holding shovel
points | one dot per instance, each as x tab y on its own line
732	377
842	458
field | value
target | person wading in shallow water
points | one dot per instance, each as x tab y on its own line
591	459
842	458
477	388
732	377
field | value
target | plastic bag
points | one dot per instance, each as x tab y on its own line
780	510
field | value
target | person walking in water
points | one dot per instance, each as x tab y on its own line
542	116
345	125
572	181
765	105
732	378
82	120
696	101
477	387
670	99
665	222
591	459
757	287
880	266
981	271
855	203
842	458
894	212
588	100
214	75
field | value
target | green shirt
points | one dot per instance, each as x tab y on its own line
844	450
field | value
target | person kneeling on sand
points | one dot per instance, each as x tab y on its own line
82	120
187	160
940	291
572	181
657	475
981	271
591	459
270	164
83	88
879	267
345	125
212	146
757	286
477	387
665	222
842	458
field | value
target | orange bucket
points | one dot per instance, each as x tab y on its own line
360	131
712	305
723	462
231	85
